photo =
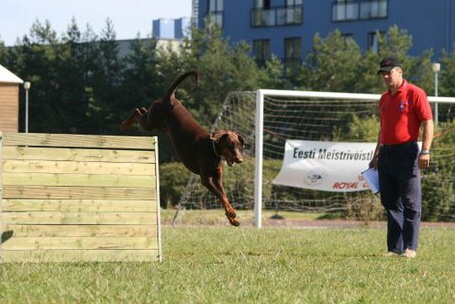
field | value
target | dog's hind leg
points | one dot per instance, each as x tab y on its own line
139	115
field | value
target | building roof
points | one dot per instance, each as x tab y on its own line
7	76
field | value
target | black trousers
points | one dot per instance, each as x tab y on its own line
401	195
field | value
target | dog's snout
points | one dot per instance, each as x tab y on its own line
239	159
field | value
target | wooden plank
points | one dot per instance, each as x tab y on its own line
17	230
45	256
76	193
23	205
80	243
72	154
77	180
78	218
74	140
53	166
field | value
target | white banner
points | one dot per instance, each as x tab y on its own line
326	166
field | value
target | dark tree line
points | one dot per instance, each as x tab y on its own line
80	84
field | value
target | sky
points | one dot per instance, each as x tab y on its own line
129	17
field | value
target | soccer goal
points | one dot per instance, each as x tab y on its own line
269	118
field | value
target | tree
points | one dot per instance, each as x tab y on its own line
272	75
140	77
332	64
336	63
446	86
72	63
36	60
107	80
2	51
223	68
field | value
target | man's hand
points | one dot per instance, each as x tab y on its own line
374	162
424	161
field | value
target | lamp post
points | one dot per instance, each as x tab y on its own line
436	67
26	87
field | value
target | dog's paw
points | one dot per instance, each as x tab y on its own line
231	216
230	213
128	123
234	222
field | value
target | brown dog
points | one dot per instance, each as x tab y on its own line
199	152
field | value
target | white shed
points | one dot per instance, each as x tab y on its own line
9	100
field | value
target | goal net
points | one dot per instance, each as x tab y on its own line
268	118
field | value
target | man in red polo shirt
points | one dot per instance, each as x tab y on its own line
403	109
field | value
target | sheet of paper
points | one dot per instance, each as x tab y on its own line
371	177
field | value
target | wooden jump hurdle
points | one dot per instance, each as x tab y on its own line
79	198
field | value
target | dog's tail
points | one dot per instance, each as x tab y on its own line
176	83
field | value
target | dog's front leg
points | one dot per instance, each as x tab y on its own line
215	186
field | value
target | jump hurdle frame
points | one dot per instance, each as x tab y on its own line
67	198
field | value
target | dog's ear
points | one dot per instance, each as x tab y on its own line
217	135
213	136
241	139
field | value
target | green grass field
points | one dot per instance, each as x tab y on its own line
219	264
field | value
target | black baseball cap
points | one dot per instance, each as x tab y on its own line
387	64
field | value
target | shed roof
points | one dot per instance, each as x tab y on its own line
7	76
